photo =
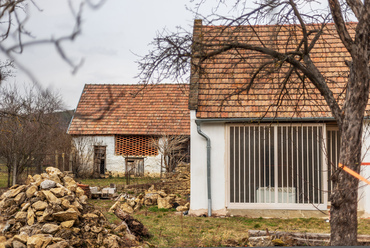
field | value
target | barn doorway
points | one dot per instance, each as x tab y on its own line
99	159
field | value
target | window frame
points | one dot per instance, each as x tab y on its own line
288	206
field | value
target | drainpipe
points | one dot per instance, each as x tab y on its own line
208	168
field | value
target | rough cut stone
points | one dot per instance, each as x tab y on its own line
21	216
67	224
164	202
59	192
19	199
127	208
48	184
17	190
70	214
30	217
31	191
51	197
50	228
39	241
53	171
262	241
18	244
39	205
22	237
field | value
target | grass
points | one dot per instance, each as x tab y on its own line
3	175
105	182
172	230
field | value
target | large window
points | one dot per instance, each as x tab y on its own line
276	164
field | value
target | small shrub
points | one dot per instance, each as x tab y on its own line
257	225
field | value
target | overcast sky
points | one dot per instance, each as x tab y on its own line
110	36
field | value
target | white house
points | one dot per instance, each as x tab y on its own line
265	148
114	126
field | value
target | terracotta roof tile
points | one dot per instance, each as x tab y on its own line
221	90
133	110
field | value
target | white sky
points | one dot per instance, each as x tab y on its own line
109	34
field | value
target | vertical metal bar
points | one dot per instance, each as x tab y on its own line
292	151
325	161
264	162
298	178
287	163
239	186
318	138
245	169
313	167
308	167
302	176
276	163
282	163
254	163
249	163
259	163
234	164
269	161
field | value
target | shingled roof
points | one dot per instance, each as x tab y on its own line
132	110
219	85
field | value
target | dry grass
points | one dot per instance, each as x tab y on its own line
105	182
172	230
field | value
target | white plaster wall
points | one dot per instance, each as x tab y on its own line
364	189
113	162
198	166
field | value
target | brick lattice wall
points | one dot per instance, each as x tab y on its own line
135	145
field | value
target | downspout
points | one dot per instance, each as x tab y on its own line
208	168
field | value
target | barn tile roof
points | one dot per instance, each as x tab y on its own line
132	110
219	86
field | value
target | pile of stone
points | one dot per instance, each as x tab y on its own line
177	182
51	211
151	197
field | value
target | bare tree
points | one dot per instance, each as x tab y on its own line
174	150
29	128
175	54
15	37
83	152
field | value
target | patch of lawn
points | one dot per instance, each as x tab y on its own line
170	229
105	182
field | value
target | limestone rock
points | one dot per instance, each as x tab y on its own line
48	184
59	192
165	202
30	217
19	199
53	171
51	197
39	205
127	208
61	244
70	214
262	241
17	190
22	237
18	244
79	192
39	241
50	228
31	191
67	224
182	208
21	216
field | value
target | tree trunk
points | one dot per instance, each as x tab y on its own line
15	170
343	212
